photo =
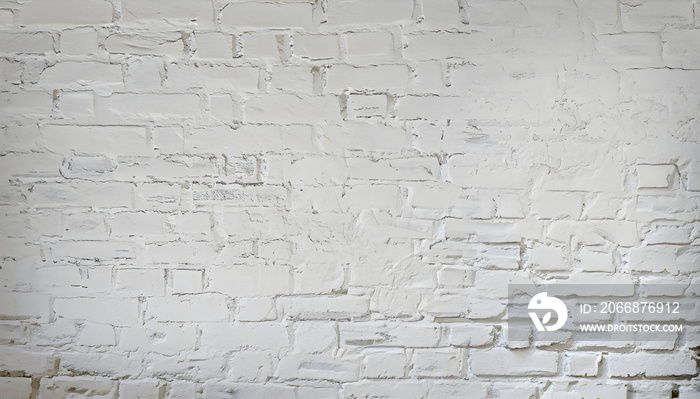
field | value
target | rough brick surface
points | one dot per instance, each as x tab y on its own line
328	198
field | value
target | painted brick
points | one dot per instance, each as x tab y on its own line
500	361
317	47
382	77
651	365
115	311
198	13
268	15
16	388
166	44
292	109
200	307
359	12
73	12
79	41
329	199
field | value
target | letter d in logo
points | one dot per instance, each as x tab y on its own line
542	301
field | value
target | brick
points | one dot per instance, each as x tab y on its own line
244	281
657	258
77	106
240	195
430	108
149	12
679	50
72	12
67	279
391	334
365	137
593	260
362	106
165	44
62	387
114	311
456	389
127	224
338	369
28	103
394	302
168	139
118	365
79	74
215	45
7	18
380	78
142	389
127	107
186	281
553	205
24	306
438	46
15	387
514	391
647	82
631	49
284	108
85	226
444	13
97	335
14	360
79	41
455	277
292	79
459	306
389	363
315	337
503	362
436	363
657	176
588	389
547	257
213	77
30	43
651	365
250	366
316	47
10	73
470	335
583	364
141	282
261	46
181	389
255	309
109	195
645	15
28	165
334	308
182	308
266	336
144	74
213	390
366	47
268	15
389	389
312	392
162	338
361	12
417	169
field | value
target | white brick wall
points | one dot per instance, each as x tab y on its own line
327	198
